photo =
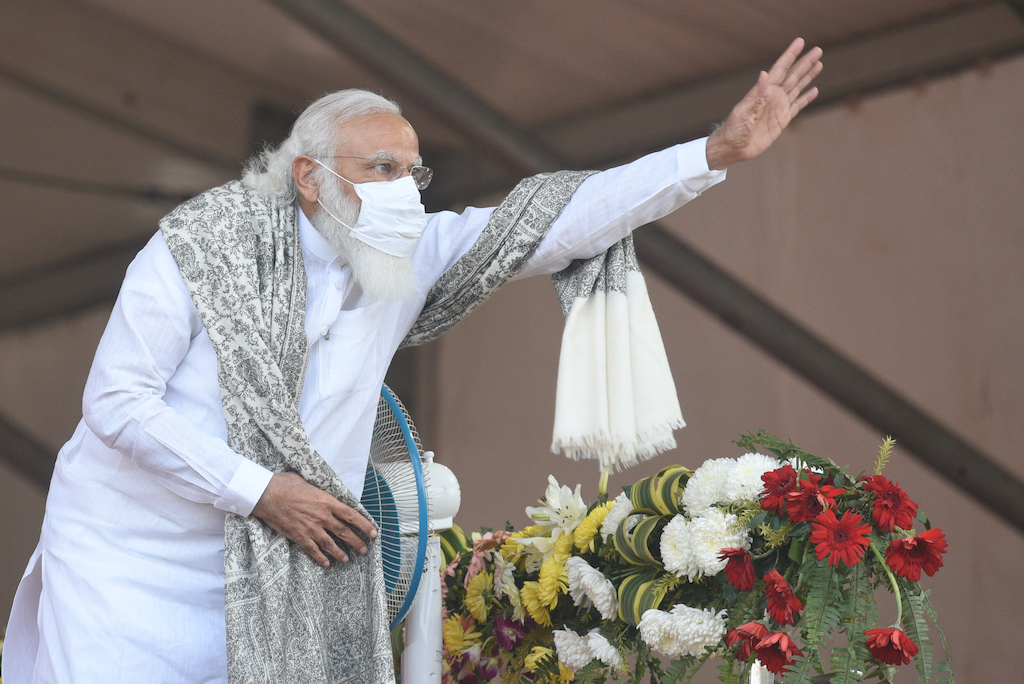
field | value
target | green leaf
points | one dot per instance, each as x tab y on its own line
804	667
659	494
635	545
858	614
934	618
641	592
820	617
728	673
678	669
944	673
916	627
453	543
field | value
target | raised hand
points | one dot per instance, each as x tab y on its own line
309	516
765	111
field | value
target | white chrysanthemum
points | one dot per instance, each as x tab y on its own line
561	507
601	649
745	483
707	535
621	508
574	568
675	548
589	584
683	631
696	629
656	630
572	649
706	484
504	581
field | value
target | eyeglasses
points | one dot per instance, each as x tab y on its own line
388	170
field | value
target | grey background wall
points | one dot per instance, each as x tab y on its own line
890	226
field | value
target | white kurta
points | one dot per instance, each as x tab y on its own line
127	583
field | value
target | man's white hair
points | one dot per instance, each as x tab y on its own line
316	134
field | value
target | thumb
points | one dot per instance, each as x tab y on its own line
762	84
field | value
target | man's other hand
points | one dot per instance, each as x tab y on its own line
309	516
765	111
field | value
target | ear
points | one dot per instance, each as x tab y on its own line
302	171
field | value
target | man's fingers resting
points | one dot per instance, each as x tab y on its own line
355	519
344	532
331	548
314	552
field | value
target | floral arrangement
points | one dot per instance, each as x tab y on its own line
771	558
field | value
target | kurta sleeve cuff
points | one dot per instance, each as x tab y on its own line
245	489
692	161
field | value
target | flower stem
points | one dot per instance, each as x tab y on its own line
892	581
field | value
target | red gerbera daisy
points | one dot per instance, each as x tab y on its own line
776	651
810	498
892	506
739	569
843	539
777	484
909	556
782	604
748	635
891	646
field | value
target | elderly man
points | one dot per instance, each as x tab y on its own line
203	522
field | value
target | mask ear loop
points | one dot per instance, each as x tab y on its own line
329	212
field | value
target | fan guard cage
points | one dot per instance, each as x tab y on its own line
394	493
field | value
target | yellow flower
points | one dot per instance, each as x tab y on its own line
538	657
554	579
457	633
531	601
531	531
583	536
478	593
564	676
563	547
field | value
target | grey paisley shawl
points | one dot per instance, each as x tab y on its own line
289	621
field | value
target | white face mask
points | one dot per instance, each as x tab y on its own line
391	216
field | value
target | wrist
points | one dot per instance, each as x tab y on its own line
719	154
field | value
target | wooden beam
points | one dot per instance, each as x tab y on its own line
111	70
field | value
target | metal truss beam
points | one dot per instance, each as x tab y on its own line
110	70
935	46
63	288
25	454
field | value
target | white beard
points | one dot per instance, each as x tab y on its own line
379	274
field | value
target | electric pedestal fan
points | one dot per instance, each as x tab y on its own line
410	497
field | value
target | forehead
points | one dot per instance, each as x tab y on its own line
369	135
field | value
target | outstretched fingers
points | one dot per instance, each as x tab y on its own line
803	72
803	101
781	69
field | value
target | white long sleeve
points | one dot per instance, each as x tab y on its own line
140	366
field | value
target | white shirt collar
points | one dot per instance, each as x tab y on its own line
313	241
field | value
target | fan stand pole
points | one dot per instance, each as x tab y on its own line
421	660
